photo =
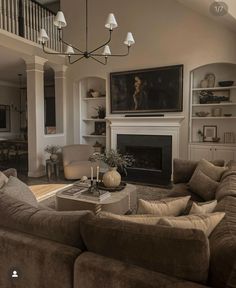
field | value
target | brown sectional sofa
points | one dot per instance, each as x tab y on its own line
79	250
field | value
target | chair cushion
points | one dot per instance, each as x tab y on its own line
19	191
163	207
204	222
182	253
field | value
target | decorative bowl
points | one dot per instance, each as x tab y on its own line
225	83
202	114
227	114
215	139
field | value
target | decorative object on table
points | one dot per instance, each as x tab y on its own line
52	166
226	83
209	132
227	114
229	137
100	128
216	112
216	139
53	151
208	81
112	189
202	114
75	54
101	110
148	90
200	135
206	96
97	147
113	159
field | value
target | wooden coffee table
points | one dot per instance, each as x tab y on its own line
119	202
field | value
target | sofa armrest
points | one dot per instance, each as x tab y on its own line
109	273
39	262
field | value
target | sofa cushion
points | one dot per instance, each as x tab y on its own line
203	208
223	246
183	189
3	179
58	226
148	219
203	185
227	186
204	222
19	191
183	253
183	169
163	207
10	172
106	272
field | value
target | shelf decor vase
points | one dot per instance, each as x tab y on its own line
111	178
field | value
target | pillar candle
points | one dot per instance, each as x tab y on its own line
97	173
91	173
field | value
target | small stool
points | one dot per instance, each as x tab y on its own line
52	166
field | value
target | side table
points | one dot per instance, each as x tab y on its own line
52	166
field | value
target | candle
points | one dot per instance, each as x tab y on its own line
91	173
97	173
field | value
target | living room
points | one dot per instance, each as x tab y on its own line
168	222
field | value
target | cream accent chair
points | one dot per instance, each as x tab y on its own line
75	161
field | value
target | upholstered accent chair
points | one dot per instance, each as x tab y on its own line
76	161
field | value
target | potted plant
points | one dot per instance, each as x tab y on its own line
53	151
101	110
113	159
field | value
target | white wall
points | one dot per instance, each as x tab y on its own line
166	33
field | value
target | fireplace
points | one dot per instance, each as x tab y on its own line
153	157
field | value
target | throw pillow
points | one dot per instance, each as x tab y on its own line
164	207
203	208
209	169
148	219
20	191
204	222
203	185
3	179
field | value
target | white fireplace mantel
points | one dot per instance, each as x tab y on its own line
167	125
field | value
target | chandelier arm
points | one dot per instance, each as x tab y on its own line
66	43
103	45
59	53
112	55
104	63
72	62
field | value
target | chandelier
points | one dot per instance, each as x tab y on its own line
75	54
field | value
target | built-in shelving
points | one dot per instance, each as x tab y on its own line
214	88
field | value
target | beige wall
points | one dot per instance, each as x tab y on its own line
166	33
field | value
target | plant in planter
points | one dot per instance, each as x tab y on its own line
53	151
113	159
101	110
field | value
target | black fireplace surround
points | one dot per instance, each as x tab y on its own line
153	158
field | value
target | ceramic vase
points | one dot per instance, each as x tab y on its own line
111	178
53	157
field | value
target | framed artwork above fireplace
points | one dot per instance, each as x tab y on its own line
150	91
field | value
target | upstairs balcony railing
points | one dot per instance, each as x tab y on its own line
25	18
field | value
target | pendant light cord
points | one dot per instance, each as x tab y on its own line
86	25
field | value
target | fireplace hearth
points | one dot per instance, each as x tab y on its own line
153	158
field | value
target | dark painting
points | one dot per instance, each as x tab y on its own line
149	90
4	118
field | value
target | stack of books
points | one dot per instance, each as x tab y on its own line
90	196
74	190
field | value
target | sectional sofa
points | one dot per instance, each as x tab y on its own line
78	250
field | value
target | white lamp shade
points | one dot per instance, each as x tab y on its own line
111	22
129	40
43	36
106	51
69	50
60	20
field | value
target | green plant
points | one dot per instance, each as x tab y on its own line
113	158
52	149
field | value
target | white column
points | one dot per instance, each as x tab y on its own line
60	97
35	111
